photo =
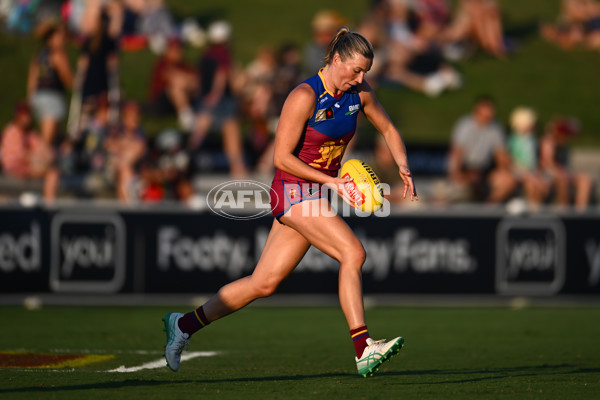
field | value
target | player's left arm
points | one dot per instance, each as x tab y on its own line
377	115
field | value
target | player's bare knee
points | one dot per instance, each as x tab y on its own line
266	288
353	257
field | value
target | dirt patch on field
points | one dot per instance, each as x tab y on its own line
48	360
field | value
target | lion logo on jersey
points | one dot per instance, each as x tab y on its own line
330	151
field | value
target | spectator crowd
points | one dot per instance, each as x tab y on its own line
76	133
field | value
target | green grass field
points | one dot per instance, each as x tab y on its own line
300	353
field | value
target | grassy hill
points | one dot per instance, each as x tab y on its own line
538	74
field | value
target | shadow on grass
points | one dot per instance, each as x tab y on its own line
475	376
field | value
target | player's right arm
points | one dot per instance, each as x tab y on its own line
297	110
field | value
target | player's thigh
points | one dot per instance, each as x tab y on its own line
325	230
283	250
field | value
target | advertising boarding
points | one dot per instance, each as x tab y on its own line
182	251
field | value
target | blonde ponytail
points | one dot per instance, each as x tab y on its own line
347	44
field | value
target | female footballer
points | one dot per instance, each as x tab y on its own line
317	122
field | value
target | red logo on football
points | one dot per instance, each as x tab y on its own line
355	194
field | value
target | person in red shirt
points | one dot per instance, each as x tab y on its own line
24	155
125	147
174	84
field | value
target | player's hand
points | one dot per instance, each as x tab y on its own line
409	184
337	185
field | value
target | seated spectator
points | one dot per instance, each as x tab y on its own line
125	147
324	25
406	48
478	158
131	37
258	79
256	87
435	14
478	22
523	147
156	23
25	156
82	160
414	59
93	153
174	85
165	171
286	77
554	161
217	104
578	25
374	30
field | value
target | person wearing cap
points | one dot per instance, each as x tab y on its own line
324	25
523	147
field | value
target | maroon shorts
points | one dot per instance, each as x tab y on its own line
285	194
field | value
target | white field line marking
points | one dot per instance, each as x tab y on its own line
160	363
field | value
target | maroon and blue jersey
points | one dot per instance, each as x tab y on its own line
324	140
329	129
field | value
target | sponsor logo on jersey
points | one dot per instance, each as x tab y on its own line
353	109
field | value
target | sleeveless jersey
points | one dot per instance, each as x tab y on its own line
328	131
48	76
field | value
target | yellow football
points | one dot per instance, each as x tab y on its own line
365	189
